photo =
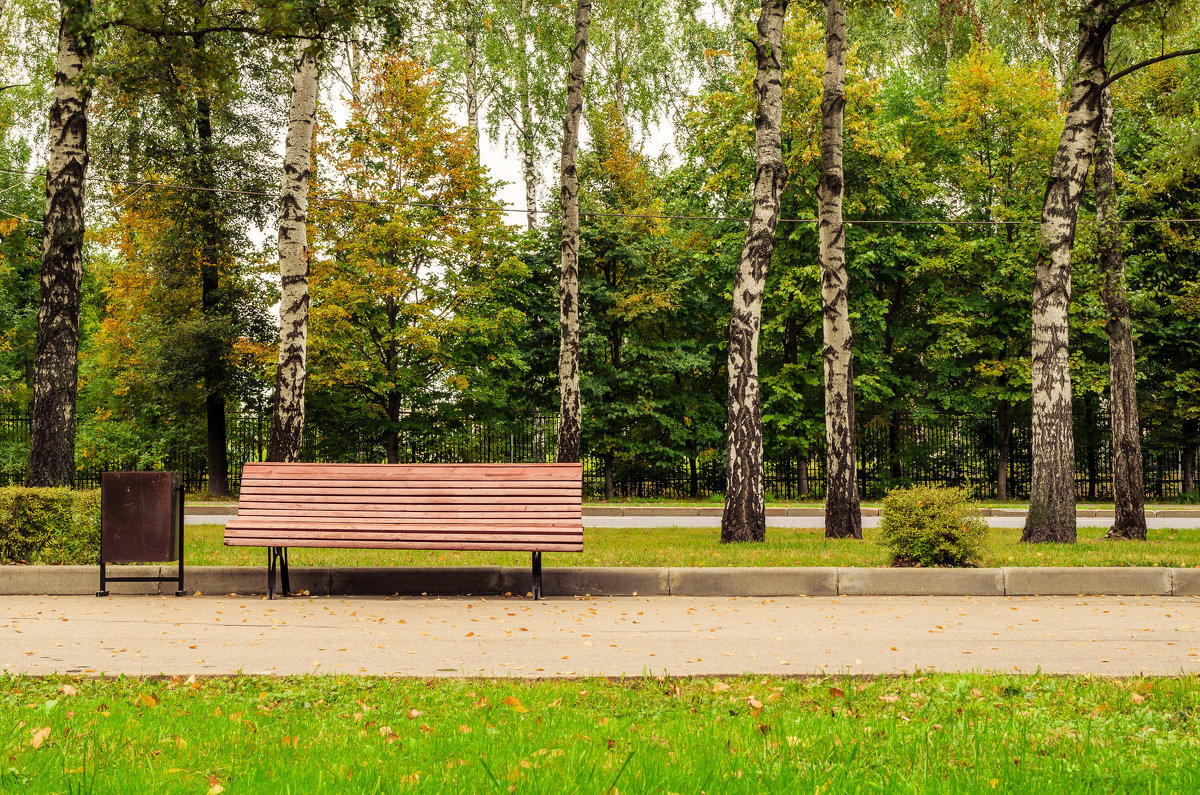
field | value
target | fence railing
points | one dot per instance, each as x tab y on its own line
892	451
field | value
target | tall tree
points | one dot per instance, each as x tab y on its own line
1052	493
990	137
52	437
287	418
745	515
408	296
843	517
570	408
1128	487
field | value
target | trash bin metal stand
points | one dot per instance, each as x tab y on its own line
177	496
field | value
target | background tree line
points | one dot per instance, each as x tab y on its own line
423	297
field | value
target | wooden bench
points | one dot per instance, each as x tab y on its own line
527	507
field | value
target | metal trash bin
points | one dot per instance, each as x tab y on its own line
141	521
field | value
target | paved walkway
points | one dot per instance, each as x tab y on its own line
617	636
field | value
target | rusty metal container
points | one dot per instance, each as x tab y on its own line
141	521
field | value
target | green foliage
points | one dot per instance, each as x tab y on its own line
650	325
924	732
413	269
49	526
927	526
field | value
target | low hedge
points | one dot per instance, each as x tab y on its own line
49	526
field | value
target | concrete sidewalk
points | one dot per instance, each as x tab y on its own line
618	636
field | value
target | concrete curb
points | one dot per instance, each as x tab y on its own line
921	582
196	510
584	581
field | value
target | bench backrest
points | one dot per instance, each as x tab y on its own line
535	507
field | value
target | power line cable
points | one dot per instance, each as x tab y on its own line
322	198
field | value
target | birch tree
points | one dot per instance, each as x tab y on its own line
287	417
1052	492
843	517
570	408
745	515
1128	487
52	435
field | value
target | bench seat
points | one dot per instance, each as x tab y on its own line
524	507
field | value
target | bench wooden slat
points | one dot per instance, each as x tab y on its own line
517	512
331	502
361	543
366	526
432	487
422	533
567	473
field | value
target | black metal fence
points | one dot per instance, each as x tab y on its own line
892	451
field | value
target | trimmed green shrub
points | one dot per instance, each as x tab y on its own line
49	525
928	526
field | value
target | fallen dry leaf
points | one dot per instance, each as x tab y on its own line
837	692
515	703
1137	698
147	700
754	703
39	737
69	690
719	687
889	699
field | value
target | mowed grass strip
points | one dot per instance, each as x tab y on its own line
691	546
918	733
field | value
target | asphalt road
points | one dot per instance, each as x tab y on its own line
570	637
781	521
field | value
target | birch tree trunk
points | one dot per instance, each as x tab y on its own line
1052	492
843	516
570	408
287	417
1129	491
56	361
472	88
745	514
528	155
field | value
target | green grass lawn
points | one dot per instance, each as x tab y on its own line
687	546
917	733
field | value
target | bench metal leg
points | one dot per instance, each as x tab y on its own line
277	555
537	575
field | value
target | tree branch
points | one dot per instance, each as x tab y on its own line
1143	64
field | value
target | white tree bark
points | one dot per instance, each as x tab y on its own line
570	405
745	515
1052	494
1129	492
472	89
287	419
56	361
843	518
528	145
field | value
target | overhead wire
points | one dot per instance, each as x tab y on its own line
324	198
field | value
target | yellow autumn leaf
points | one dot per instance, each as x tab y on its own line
147	700
515	703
